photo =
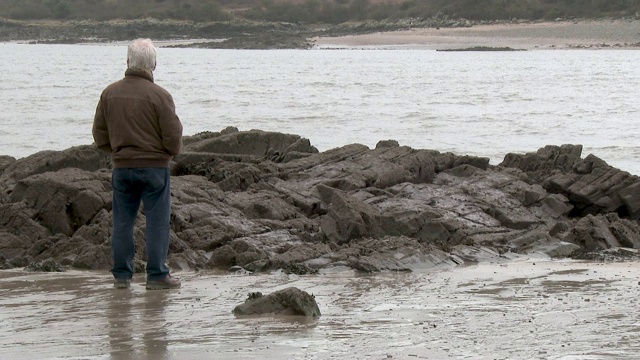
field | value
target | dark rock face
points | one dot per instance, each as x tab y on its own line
289	301
65	200
85	157
5	162
592	186
263	201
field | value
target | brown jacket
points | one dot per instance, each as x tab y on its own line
136	122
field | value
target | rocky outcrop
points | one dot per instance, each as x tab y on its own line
262	201
64	200
85	157
5	161
591	185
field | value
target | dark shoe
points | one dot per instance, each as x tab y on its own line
167	283
121	283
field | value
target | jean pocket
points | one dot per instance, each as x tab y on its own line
156	179
119	180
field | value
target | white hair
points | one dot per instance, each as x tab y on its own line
142	55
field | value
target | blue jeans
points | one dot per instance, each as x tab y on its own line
152	187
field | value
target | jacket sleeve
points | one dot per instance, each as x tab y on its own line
100	131
170	126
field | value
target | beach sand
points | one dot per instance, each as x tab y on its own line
602	34
528	308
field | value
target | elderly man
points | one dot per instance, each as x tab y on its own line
137	124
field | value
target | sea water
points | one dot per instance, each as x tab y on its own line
469	103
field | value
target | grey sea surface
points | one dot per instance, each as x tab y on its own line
485	104
469	103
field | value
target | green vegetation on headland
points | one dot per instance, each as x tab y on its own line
313	11
272	23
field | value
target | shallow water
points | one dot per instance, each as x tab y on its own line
529	308
477	103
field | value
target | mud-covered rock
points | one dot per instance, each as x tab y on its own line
48	265
289	301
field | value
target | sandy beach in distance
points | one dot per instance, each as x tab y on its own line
601	34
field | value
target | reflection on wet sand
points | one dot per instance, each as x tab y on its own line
137	324
155	325
519	309
120	325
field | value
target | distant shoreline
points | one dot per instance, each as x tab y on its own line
402	34
584	34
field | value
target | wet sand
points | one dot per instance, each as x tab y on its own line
603	34
529	308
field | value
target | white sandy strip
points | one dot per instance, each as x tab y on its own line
546	35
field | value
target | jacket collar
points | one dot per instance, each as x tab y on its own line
139	73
